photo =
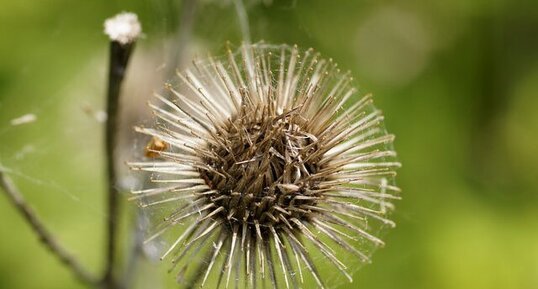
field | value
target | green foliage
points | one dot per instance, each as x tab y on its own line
457	81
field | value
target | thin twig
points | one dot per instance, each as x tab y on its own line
183	36
242	16
123	30
16	198
136	250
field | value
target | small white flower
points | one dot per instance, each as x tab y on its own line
123	28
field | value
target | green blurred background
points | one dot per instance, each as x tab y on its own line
457	81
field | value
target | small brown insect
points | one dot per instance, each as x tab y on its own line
155	147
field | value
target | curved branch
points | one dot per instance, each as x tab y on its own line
44	235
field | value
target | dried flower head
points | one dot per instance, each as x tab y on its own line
265	171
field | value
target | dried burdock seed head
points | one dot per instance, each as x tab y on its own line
267	170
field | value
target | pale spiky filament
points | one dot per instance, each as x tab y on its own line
264	170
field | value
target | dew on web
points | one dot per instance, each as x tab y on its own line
47	148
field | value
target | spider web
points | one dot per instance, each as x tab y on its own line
51	122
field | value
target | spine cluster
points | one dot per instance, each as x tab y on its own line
267	162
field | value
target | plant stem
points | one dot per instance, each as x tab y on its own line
183	35
17	200
242	16
119	57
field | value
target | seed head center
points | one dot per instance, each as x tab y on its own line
263	172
